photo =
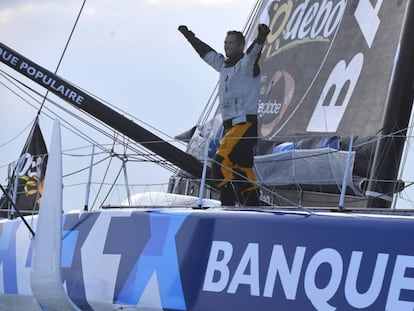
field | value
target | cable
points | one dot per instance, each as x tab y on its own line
17	210
64	51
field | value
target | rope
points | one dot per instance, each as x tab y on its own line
63	53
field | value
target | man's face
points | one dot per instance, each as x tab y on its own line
232	47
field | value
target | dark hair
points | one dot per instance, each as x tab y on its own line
239	36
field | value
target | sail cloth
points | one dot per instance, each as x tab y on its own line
327	65
29	171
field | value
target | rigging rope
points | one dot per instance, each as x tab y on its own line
100	127
106	172
64	52
147	156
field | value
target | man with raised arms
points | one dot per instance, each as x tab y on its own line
239	90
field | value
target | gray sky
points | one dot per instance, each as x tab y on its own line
127	52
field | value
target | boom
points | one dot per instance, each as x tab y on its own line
80	100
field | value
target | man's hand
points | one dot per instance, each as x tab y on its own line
263	31
184	30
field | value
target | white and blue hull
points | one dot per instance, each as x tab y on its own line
183	259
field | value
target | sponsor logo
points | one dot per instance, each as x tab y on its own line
305	270
308	77
306	24
30	173
36	73
300	22
137	259
275	101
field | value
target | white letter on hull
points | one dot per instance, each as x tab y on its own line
400	282
250	257
289	279
220	266
320	296
366	299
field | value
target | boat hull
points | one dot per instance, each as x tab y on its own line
185	259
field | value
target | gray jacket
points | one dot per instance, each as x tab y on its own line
239	87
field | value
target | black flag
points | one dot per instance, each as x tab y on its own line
29	171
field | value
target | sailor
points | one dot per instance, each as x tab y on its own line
239	89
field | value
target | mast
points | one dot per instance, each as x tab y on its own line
390	146
80	100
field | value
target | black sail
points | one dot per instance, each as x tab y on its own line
332	69
26	184
336	68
